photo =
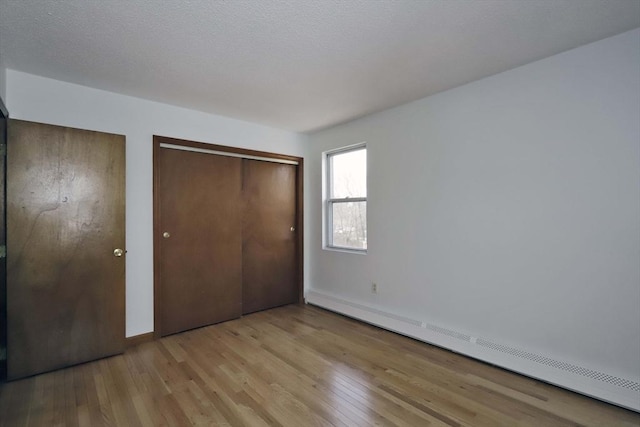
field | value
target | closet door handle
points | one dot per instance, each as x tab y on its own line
166	235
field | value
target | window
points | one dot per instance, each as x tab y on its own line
346	199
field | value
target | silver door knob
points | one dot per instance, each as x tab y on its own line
118	252
166	235
293	229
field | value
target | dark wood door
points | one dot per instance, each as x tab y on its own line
199	239
269	258
65	219
4	117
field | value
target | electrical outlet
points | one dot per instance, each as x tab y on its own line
374	288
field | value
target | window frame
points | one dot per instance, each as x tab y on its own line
331	201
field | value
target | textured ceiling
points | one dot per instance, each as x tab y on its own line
294	64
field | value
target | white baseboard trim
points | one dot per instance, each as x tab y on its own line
623	392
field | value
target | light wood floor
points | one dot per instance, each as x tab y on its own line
294	366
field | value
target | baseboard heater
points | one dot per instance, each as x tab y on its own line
619	391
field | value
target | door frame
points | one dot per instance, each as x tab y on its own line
236	152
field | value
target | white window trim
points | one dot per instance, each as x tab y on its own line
327	225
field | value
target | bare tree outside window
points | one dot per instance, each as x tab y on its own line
347	199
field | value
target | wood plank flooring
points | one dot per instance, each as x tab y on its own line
294	366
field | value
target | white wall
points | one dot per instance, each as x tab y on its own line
508	208
49	101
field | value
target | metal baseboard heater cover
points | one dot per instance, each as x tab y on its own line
629	386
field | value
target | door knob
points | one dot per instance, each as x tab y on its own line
118	252
166	235
293	229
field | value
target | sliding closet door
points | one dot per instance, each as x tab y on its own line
65	246
198	238
269	256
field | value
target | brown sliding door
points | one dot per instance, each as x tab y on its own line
65	246
227	239
199	239
269	262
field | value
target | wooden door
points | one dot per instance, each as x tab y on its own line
65	219
4	117
199	239
269	256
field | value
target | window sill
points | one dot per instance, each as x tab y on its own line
346	250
